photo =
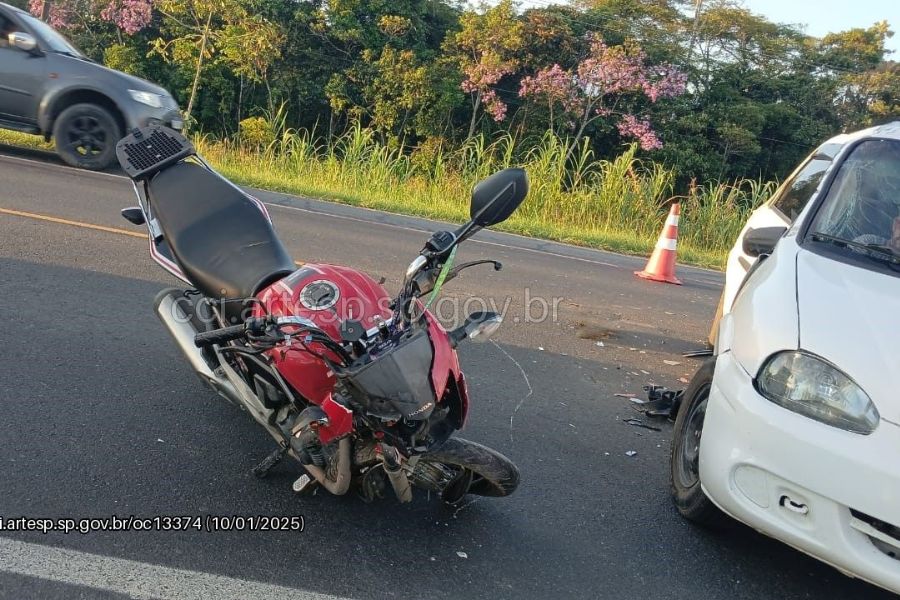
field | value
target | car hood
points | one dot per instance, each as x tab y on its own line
105	74
848	316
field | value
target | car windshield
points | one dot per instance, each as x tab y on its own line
54	41
863	204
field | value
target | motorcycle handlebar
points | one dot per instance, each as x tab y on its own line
219	336
253	325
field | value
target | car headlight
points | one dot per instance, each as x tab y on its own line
812	387
148	98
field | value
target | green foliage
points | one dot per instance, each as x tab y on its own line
123	58
256	132
618	204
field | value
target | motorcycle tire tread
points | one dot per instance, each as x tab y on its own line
498	476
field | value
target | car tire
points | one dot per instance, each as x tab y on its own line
691	501
86	136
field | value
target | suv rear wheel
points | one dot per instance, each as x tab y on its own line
86	136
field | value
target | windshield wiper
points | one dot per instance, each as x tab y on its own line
871	250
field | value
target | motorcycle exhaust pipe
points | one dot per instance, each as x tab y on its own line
390	458
169	308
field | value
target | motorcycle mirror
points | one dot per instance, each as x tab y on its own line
494	199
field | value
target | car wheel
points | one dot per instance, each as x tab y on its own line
86	136
689	497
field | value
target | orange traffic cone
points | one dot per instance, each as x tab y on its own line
661	266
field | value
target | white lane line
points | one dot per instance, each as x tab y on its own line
61	167
138	580
373	222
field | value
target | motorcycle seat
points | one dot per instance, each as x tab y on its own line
220	238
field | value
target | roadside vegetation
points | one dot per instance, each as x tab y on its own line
617	204
616	107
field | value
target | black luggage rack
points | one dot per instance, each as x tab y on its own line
146	151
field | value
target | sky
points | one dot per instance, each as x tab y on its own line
823	16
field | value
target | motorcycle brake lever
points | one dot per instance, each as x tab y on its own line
455	271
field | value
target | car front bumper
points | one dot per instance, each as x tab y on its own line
141	115
832	494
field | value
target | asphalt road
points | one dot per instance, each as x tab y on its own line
103	417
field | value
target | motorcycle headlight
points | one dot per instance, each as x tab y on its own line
808	385
148	98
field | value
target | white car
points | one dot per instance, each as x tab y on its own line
780	210
793	427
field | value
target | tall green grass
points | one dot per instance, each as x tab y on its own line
617	204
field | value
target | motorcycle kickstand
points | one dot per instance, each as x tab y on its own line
268	463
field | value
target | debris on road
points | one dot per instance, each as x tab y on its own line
638	423
698	353
626	395
661	401
631	453
672	363
599	344
683	380
462	555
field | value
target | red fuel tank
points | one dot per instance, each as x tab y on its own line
326	295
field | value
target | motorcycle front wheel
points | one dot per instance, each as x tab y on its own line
479	470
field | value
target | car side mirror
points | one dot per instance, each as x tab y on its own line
494	199
23	41
762	240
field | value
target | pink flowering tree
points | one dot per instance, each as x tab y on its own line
128	15
597	87
486	48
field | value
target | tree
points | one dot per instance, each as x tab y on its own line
128	15
867	87
196	29
387	57
596	88
486	48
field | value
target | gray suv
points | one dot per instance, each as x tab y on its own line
48	87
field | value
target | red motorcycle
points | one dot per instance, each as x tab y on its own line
363	389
